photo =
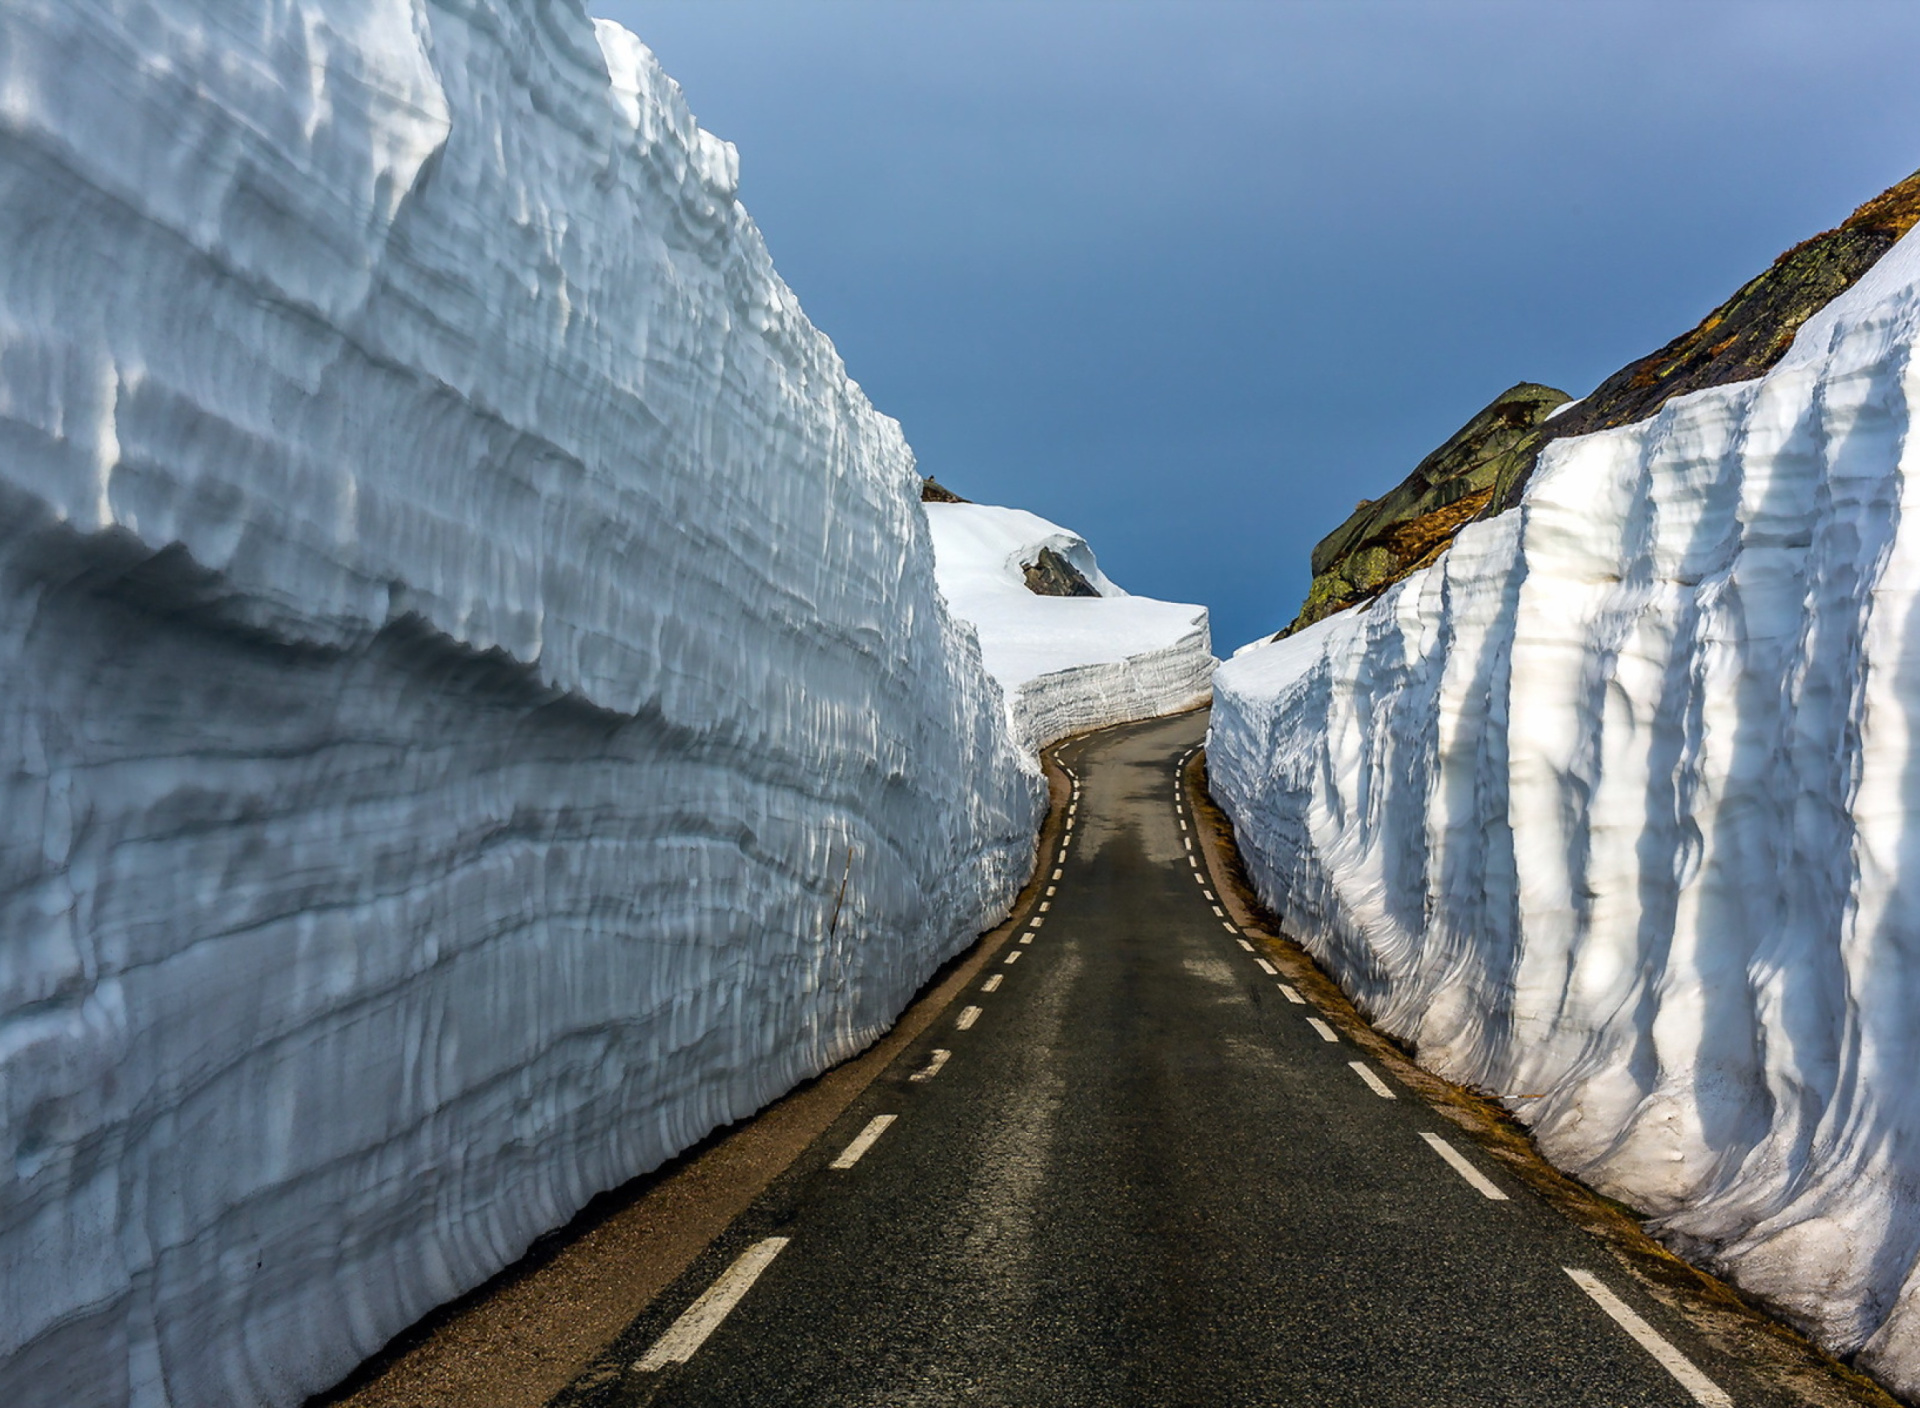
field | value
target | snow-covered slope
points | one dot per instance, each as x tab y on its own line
1066	663
461	625
1620	802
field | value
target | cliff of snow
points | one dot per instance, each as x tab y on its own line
1484	468
1616	804
1070	650
461	625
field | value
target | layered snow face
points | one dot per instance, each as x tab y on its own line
479	710
1065	663
1619	805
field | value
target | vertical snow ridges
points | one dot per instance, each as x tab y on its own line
1616	804
461	624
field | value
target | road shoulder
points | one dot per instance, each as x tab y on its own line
1737	1327
521	1337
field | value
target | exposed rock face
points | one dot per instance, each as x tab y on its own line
1745	336
1385	539
1050	574
932	491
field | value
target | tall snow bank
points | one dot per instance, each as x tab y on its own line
1620	802
461	626
1065	663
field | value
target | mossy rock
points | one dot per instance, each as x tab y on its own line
1745	336
1384	539
1483	470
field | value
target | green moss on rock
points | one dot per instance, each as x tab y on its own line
1746	335
1384	539
1484	468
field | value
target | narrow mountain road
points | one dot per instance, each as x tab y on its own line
1130	1164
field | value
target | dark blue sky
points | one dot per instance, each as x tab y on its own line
1191	278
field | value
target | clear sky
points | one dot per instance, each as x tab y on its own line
1191	278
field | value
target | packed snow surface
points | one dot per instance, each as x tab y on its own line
1066	663
1619	803
463	630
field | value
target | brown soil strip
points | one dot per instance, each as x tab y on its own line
1736	1326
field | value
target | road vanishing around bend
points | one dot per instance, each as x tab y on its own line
1129	1163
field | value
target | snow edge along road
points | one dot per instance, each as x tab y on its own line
1711	1308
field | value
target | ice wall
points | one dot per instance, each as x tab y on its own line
1065	663
461	628
1620	802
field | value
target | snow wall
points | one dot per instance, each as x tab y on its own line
461	625
1620	802
1065	663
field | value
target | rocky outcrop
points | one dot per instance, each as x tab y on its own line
1745	336
1385	539
1050	574
1742	339
932	491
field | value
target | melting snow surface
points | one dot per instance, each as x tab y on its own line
462	629
1619	803
1066	663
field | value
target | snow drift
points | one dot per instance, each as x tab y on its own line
1065	663
1620	802
461	625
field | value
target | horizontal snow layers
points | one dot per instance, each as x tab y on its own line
462	630
1066	663
1617	806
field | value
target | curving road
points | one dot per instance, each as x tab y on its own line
1130	1165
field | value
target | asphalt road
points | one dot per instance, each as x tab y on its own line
1142	1175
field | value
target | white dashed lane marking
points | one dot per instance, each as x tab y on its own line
863	1141
1703	1389
992	984
940	1059
968	1016
1486	1186
1013	957
1292	996
685	1336
1326	1032
1245	945
1374	1083
1267	968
